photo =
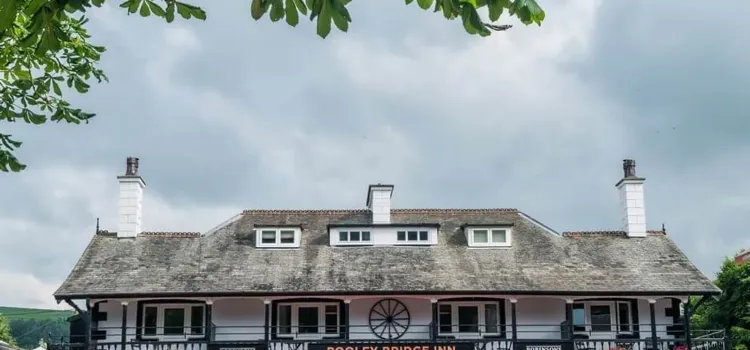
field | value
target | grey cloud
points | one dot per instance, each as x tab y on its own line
293	129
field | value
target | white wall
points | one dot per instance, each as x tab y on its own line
238	319
537	318
420	311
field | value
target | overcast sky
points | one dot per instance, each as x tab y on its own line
231	114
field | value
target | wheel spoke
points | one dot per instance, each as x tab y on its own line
378	312
399	324
400	312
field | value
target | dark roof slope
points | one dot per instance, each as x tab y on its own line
227	262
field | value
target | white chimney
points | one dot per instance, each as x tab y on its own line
631	200
379	202
130	203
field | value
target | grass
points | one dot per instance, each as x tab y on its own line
19	313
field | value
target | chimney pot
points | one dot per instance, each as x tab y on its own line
131	166
628	166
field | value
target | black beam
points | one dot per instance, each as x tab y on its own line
345	315
434	328
513	323
209	320
267	327
652	308
87	322
569	320
688	339
124	329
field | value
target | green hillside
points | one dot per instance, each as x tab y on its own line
19	313
28	326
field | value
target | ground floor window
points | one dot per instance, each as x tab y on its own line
314	320
603	316
173	320
464	317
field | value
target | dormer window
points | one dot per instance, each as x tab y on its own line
278	237
489	236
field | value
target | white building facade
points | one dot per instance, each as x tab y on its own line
386	279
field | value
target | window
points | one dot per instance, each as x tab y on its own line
485	318
278	237
624	319
601	318
149	320
412	236
308	319
354	236
487	236
579	318
173	320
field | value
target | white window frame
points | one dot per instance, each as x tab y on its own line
321	321
614	316
277	244
349	236
490	243
482	326
418	240
160	322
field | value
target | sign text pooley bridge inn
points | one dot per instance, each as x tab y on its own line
404	346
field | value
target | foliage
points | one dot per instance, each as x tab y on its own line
30	333
5	334
30	327
44	44
15	313
731	312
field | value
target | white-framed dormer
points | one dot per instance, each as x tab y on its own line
384	235
493	235
278	236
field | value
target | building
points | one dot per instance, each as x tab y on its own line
380	278
742	256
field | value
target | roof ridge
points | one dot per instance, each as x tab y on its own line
607	233
170	234
360	210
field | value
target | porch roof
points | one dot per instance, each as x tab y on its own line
226	262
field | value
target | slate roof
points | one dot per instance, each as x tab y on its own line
226	261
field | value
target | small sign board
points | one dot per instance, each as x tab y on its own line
416	345
239	346
543	345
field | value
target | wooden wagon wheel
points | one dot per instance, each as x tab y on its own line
389	319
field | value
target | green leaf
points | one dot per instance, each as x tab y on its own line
340	15
183	10
145	11
447	9
133	7
316	8
301	6
424	4
409	1
324	19
537	14
292	16
257	9
198	13
277	10
466	19
156	9
8	10
496	8
169	16
56	88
